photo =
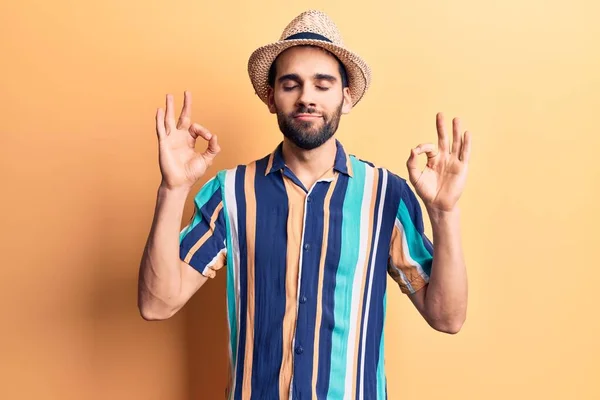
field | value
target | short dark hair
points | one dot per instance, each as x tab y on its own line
341	67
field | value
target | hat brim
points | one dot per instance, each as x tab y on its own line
259	64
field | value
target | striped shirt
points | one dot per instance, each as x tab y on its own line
306	272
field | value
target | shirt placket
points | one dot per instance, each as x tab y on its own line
300	335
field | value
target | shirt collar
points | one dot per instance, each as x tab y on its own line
341	164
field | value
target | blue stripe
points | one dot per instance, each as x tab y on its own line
215	243
374	352
289	174
379	298
340	159
334	246
311	257
241	207
269	282
369	383
345	278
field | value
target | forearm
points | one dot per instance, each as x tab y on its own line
446	296
160	272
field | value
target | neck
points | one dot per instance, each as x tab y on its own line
309	165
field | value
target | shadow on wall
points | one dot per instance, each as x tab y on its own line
185	357
206	336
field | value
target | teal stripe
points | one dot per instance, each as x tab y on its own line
231	311
381	365
345	278
416	247
202	197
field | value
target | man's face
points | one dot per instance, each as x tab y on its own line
308	97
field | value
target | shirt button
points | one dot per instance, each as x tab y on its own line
303	299
306	246
299	350
309	199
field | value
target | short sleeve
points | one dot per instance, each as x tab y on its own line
202	242
411	251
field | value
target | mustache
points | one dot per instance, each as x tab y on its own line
305	110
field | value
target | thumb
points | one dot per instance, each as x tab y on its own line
212	150
412	164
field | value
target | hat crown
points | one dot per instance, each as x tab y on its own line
313	28
314	21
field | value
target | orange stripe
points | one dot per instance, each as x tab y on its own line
364	277
250	243
206	236
270	163
398	258
296	197
320	284
211	271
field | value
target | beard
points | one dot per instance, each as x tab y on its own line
302	133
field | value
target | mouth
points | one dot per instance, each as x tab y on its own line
307	117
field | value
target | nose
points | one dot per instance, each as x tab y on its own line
307	97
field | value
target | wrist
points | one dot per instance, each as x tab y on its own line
167	190
436	214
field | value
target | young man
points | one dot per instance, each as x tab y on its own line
308	234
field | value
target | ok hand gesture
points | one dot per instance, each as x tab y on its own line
442	181
180	165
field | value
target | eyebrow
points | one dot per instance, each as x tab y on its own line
325	77
289	77
296	77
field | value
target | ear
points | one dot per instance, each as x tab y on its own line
347	106
271	100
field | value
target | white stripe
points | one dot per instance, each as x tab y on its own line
214	260
300	266
368	305
230	200
403	277
358	274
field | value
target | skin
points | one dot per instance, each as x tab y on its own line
307	78
443	301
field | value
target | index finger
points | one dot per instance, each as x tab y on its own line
442	137
186	111
160	123
170	118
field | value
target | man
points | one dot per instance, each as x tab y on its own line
308	234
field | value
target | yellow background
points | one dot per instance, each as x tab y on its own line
79	86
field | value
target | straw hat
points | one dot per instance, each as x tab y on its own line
310	28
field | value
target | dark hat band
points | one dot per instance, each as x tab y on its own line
308	35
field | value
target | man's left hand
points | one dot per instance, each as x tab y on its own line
441	183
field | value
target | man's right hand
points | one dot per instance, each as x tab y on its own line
180	165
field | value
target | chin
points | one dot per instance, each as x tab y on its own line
307	125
